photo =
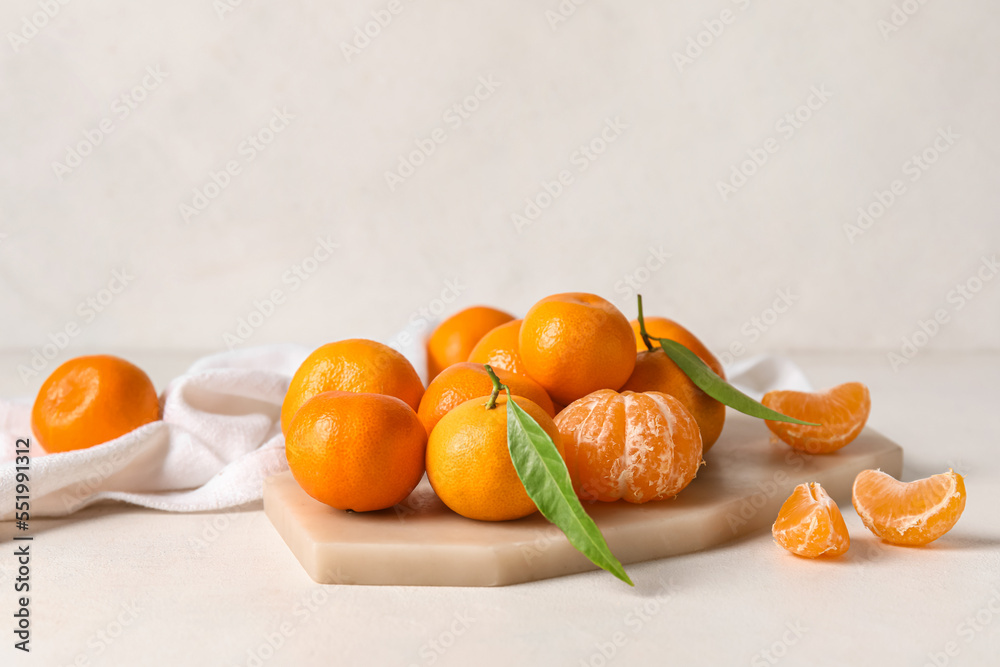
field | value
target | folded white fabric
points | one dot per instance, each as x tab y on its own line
219	438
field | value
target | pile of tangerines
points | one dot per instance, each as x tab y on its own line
361	429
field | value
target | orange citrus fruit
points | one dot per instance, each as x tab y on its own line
810	524
639	447
91	400
841	413
499	348
452	341
357	365
573	344
358	452
655	371
910	514
469	465
464	381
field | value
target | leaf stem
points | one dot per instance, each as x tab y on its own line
497	387
642	327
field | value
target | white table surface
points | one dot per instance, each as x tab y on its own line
116	585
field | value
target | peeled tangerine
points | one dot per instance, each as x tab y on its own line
637	446
810	524
911	514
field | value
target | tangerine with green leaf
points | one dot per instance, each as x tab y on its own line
464	381
469	464
655	371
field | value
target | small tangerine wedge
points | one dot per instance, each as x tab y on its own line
469	464
639	447
576	343
359	452
499	348
91	400
841	413
464	381
810	524
356	364
909	513
452	341
655	371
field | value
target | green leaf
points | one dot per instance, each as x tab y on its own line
546	479
716	387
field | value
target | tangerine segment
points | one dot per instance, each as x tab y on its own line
576	343
91	400
841	413
355	451
810	524
464	381
469	464
499	348
452	341
909	513
639	447
356	364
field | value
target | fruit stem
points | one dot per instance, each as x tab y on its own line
497	387
642	327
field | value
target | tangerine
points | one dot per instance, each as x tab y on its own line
356	451
357	365
90	400
576	343
499	348
452	341
466	380
469	464
655	371
639	447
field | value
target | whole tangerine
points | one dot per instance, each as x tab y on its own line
357	365
359	452
464	381
469	464
90	400
576	343
452	341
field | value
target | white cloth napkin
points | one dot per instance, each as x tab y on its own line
219	438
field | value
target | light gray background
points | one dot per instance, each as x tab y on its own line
656	185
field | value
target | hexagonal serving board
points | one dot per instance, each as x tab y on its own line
423	543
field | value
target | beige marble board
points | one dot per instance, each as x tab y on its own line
423	543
